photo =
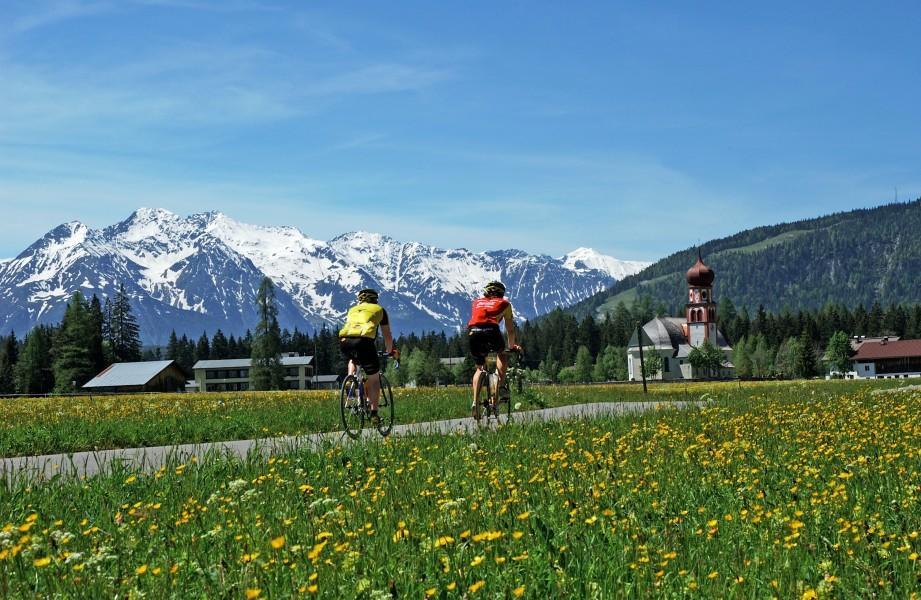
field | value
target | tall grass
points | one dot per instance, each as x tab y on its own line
793	491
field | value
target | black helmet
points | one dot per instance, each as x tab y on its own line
494	289
368	295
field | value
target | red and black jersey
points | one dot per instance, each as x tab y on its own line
489	311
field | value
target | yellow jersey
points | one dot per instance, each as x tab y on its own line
363	320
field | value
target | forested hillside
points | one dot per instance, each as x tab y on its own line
858	257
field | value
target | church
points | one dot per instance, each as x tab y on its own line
672	338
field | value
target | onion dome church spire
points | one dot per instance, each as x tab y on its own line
701	306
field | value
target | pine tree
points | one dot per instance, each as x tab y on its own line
124	340
96	342
219	347
33	371
806	364
172	347
203	348
186	354
267	372
72	360
9	356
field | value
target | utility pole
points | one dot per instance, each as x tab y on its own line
639	339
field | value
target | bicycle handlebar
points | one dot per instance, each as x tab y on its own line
396	361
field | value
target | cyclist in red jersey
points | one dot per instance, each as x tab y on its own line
485	336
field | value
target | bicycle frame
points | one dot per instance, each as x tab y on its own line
354	403
491	403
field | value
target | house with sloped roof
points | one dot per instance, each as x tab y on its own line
673	338
148	376
884	358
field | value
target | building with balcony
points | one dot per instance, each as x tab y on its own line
233	375
887	359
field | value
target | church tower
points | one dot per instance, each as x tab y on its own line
701	307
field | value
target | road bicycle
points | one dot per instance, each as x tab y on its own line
355	408
490	401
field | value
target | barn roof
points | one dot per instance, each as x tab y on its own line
128	374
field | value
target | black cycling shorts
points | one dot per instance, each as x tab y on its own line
483	340
363	351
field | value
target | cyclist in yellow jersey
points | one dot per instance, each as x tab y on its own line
356	341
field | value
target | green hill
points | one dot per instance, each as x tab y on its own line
857	257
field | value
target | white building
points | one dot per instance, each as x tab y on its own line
233	374
887	359
672	338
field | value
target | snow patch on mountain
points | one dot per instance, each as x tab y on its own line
590	259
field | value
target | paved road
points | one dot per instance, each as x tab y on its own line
87	464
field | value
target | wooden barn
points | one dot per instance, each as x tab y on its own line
153	376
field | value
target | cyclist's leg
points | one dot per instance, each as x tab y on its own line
480	371
501	366
374	390
479	349
371	363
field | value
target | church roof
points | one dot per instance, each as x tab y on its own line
665	333
662	333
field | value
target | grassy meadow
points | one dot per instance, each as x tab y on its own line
69	424
793	491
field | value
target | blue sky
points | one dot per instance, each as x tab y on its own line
636	129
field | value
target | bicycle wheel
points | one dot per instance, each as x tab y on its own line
483	395
503	407
385	409
353	414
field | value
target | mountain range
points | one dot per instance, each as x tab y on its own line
855	257
200	273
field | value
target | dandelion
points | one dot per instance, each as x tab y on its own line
474	588
518	592
140	570
477	561
278	542
42	562
252	593
809	594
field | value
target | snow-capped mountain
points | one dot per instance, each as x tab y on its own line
201	273
589	259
